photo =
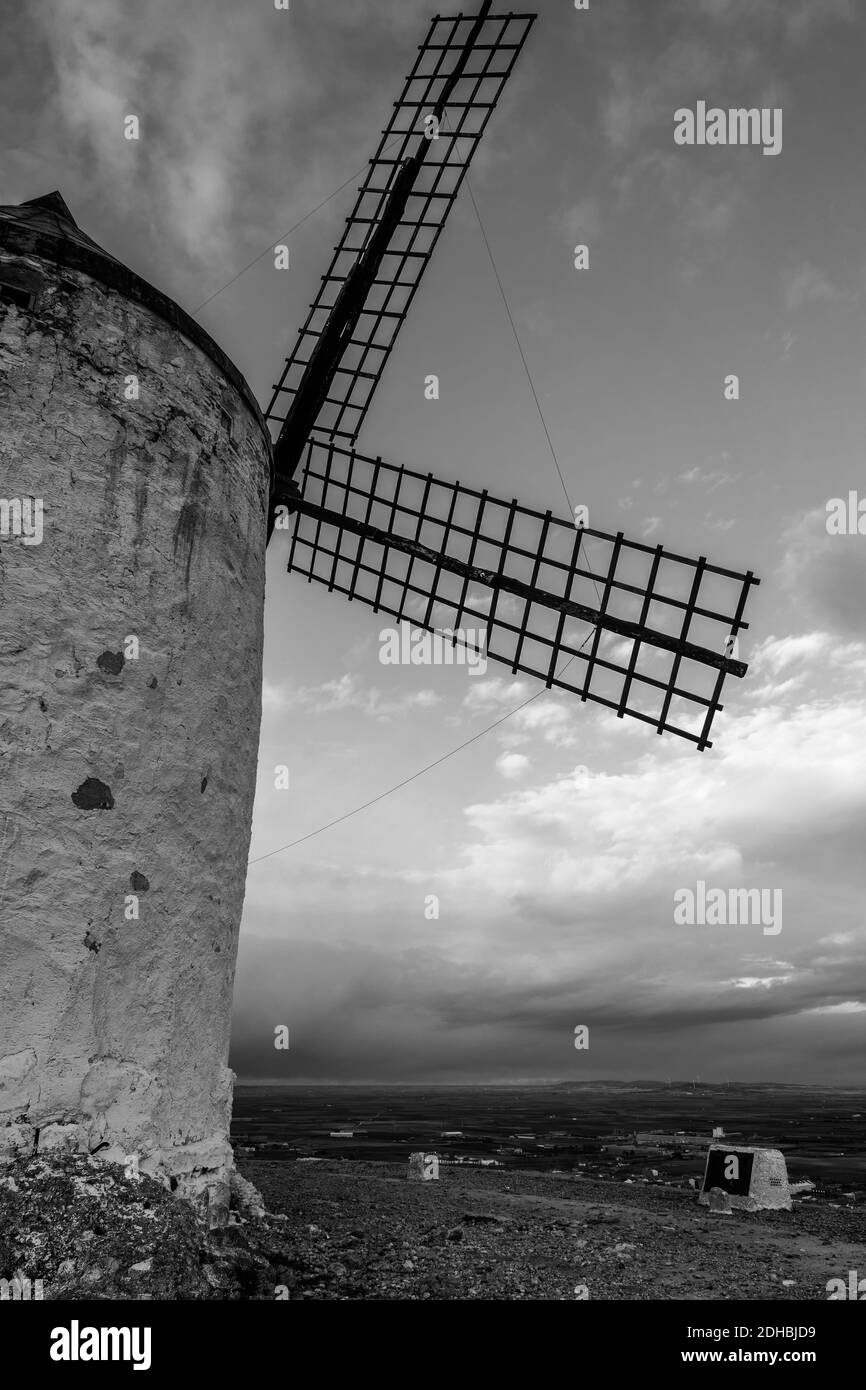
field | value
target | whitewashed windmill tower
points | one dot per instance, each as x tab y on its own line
131	624
130	662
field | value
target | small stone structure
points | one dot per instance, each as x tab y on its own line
752	1178
423	1167
131	630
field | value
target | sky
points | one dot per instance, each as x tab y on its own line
554	843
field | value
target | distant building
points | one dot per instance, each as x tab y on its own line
680	1140
451	1134
462	1161
342	1134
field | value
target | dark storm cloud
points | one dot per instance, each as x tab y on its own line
224	99
358	1013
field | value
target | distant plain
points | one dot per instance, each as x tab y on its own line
567	1126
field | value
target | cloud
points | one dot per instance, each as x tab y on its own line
701	208
824	576
808	285
370	17
345	693
848	1006
495	693
649	82
558	908
208	134
760	982
713	478
645	83
725	52
710	207
512	765
537	318
610	834
780	652
555	723
224	97
581	223
791	21
786	342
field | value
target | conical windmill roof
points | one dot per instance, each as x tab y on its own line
45	227
50	216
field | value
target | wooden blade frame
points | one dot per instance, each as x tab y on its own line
649	634
401	209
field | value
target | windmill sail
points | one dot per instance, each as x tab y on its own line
634	627
401	208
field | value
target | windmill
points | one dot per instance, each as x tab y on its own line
134	726
643	631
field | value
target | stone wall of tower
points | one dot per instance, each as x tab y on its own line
128	773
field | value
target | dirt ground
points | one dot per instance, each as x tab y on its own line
357	1230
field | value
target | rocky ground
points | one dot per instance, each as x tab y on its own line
89	1232
341	1230
361	1230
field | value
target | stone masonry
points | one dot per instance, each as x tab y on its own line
130	670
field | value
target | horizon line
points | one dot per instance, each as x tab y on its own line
547	1083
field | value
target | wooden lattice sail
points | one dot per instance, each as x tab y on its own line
636	628
649	633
